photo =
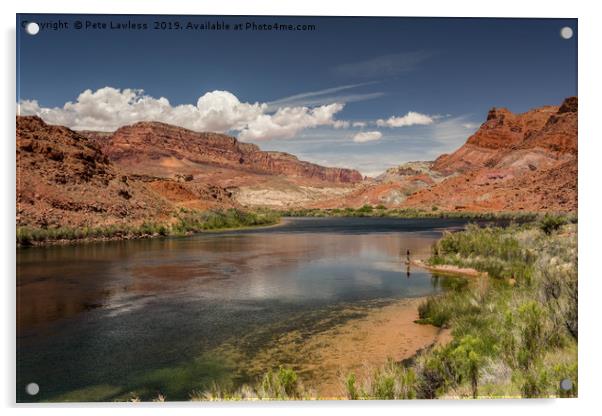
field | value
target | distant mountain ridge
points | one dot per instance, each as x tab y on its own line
144	172
144	141
513	162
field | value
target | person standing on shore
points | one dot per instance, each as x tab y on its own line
408	256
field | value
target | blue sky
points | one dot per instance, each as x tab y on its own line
317	94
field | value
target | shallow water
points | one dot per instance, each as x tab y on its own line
98	321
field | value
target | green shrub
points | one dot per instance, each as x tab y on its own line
468	360
550	223
282	384
365	209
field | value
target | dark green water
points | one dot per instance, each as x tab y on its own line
98	321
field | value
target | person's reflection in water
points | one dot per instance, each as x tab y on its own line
408	270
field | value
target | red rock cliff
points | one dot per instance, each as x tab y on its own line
153	140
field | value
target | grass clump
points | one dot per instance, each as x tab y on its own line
494	250
280	384
514	338
387	383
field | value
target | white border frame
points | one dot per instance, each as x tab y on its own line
590	97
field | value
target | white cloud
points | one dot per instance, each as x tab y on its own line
107	109
384	65
341	124
222	111
470	126
288	121
325	96
410	119
359	124
367	136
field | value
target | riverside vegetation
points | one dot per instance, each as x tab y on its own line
184	221
187	221
514	332
368	210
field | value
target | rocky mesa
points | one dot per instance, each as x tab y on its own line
513	162
169	148
144	172
65	180
253	177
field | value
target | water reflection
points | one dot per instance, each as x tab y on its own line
152	303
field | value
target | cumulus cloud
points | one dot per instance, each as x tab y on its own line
359	124
367	136
410	119
107	109
288	121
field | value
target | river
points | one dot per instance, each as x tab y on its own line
99	321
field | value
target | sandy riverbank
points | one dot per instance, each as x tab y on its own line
449	269
358	345
361	345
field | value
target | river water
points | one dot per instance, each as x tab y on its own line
100	321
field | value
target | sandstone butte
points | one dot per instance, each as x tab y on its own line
514	162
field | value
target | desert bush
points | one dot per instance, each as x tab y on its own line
435	374
365	209
389	382
469	360
550	223
281	384
494	250
439	310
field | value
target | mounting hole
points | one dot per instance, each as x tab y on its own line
32	389
566	384
32	28
566	32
